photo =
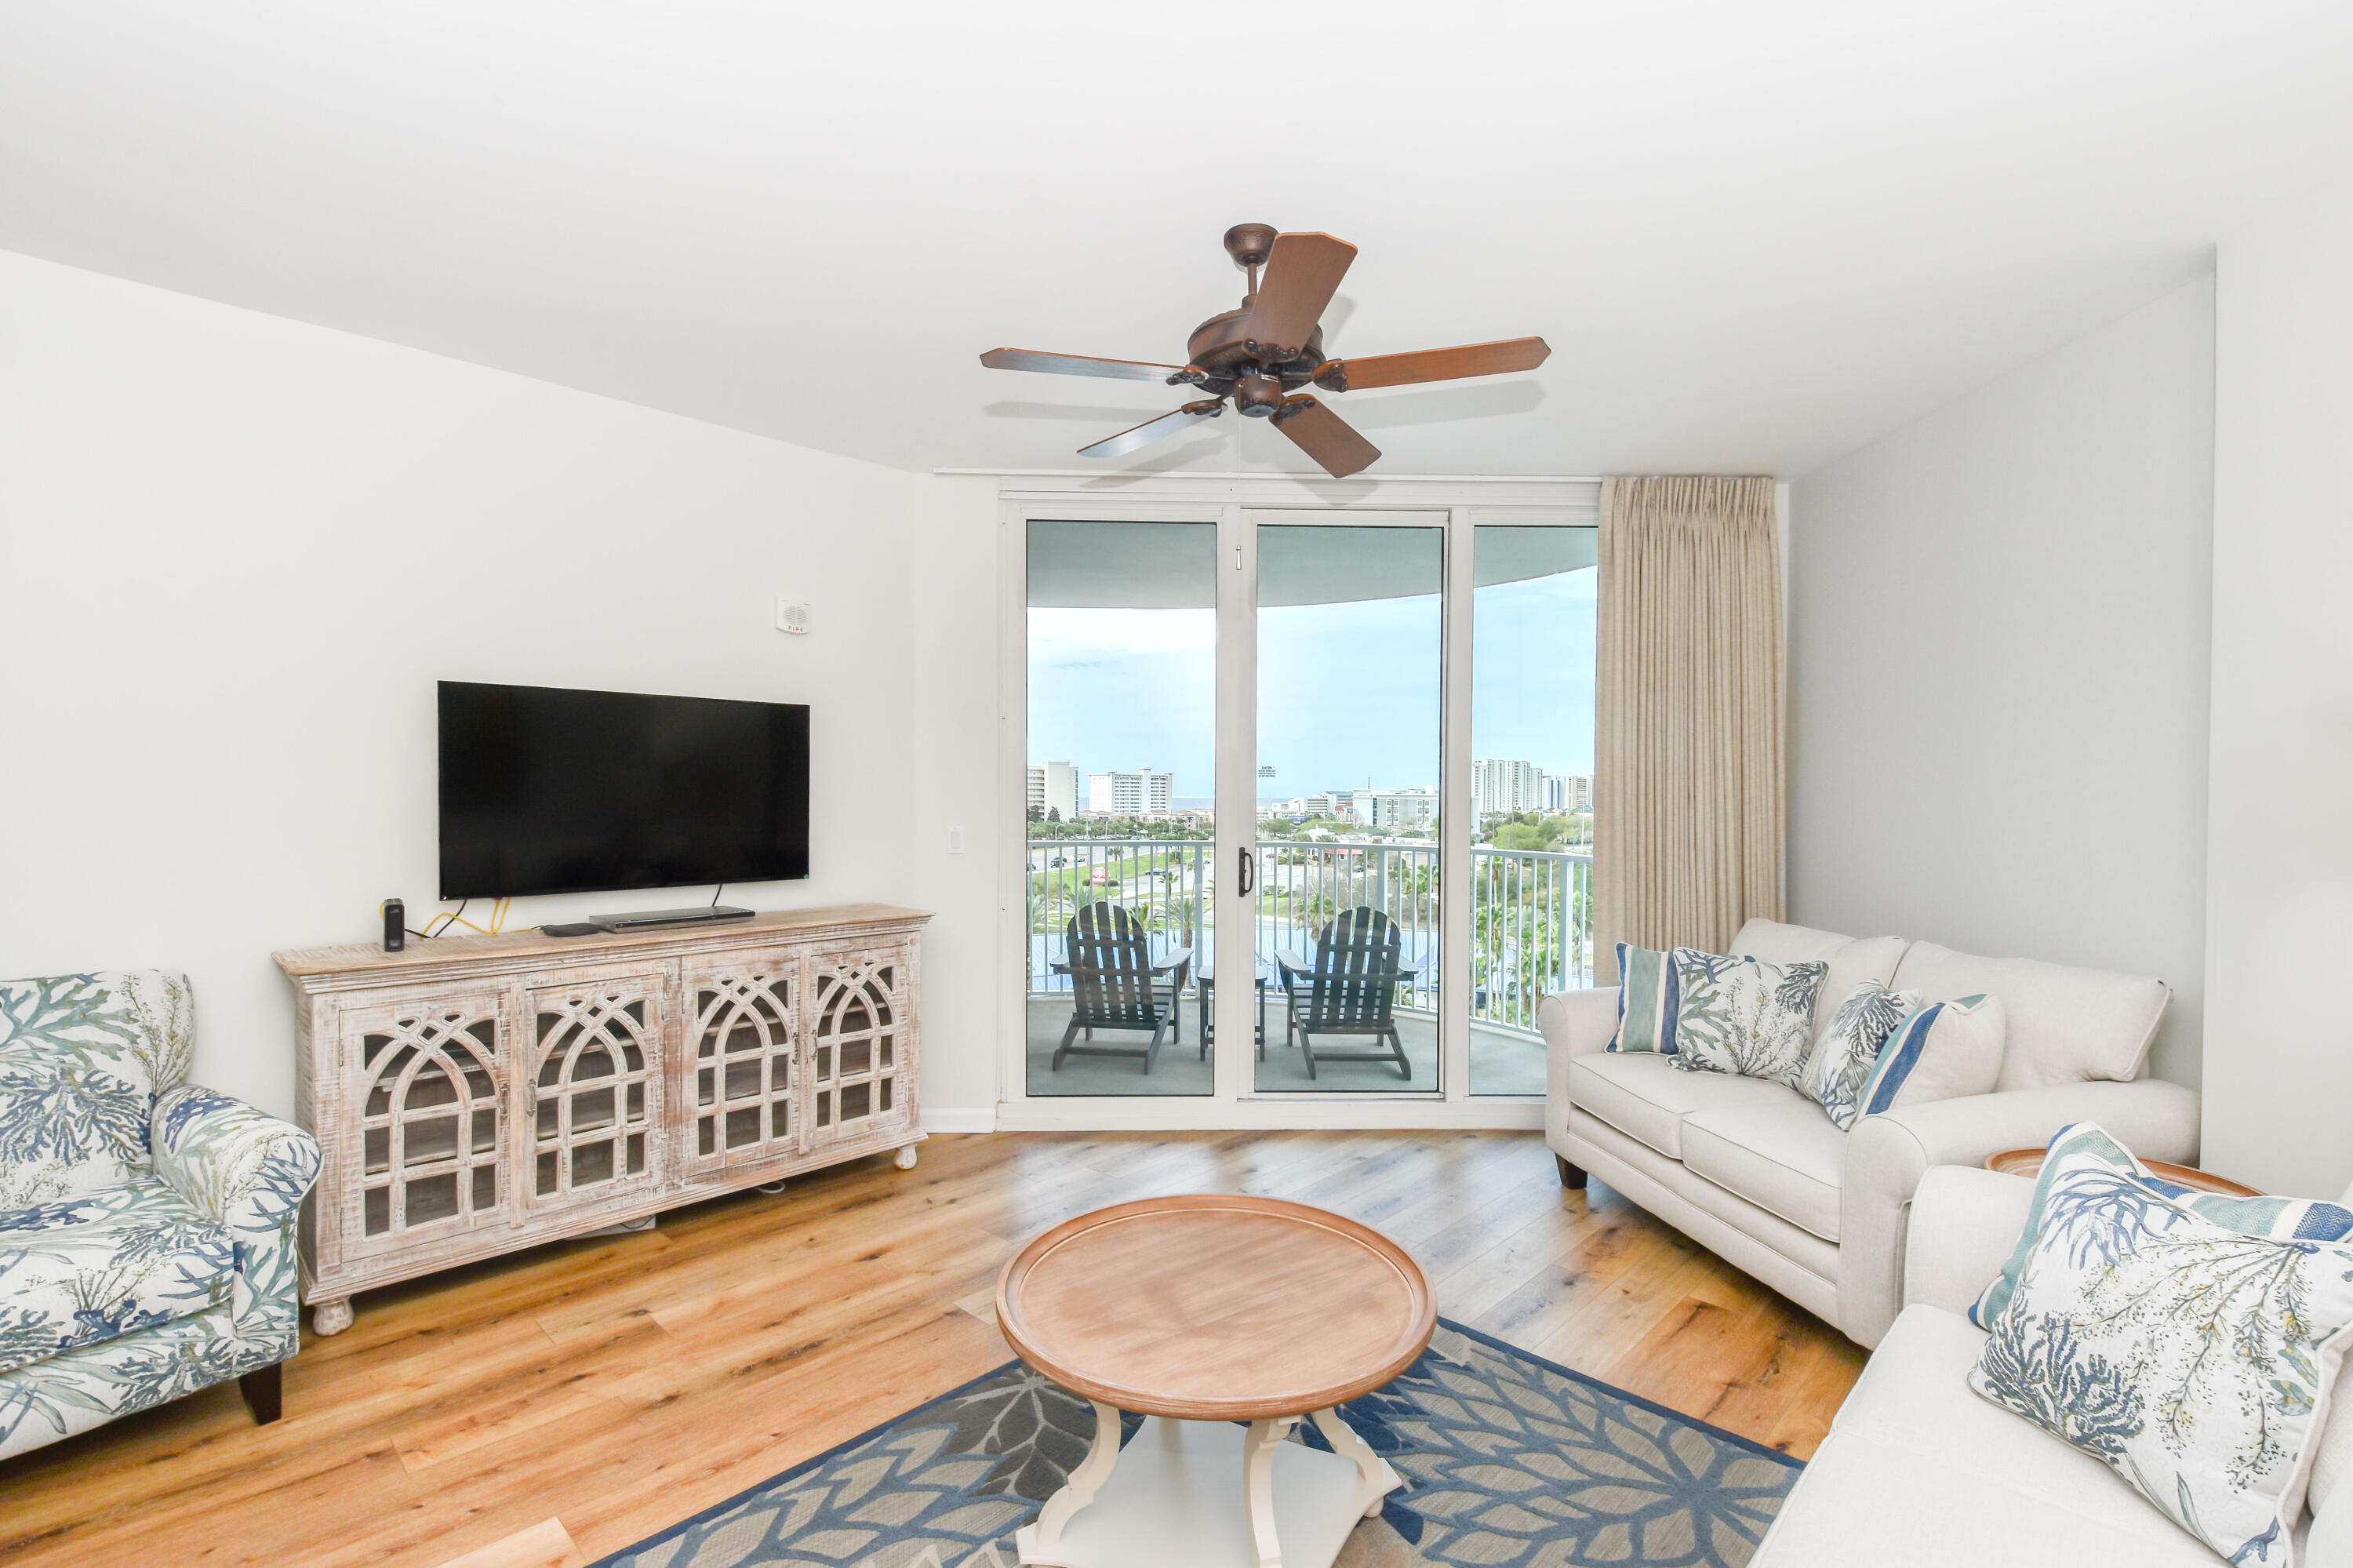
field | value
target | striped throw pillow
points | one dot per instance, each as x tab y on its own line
1944	1050
1646	1000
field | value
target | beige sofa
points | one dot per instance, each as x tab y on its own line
1919	1470
1760	1175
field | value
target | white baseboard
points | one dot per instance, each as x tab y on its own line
1174	1113
959	1118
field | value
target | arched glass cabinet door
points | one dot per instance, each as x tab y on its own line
594	1090
860	1078
429	1154
741	1092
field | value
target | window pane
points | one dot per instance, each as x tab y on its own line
1532	788
1123	632
1350	660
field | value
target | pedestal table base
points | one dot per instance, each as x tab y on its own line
1208	1494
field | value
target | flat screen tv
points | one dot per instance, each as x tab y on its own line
549	790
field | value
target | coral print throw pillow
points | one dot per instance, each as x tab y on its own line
2196	1359
1744	1015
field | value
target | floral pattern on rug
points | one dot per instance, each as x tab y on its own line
1507	1459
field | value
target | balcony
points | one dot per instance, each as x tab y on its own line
1530	934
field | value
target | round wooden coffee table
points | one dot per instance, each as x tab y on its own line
1204	1311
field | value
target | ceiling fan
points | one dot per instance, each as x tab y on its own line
1263	354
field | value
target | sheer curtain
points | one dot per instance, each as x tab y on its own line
1688	806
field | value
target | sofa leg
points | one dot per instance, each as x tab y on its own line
263	1390
1570	1175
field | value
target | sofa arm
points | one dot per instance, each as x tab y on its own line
1579	1022
1965	1224
1574	1023
249	1171
1886	1155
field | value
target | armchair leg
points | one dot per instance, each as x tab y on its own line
264	1392
1571	1176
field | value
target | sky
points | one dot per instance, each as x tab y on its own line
1346	691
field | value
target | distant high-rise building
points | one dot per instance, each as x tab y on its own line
1055	786
1568	792
1499	786
1142	793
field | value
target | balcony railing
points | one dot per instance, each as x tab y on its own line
1531	910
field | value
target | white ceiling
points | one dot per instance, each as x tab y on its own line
1755	235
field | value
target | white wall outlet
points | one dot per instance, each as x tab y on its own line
792	617
956	841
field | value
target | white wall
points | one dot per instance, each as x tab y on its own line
1998	637
238	552
2279	1049
958	623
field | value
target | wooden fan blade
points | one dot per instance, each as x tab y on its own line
1324	436
1151	431
1076	365
1432	364
1303	272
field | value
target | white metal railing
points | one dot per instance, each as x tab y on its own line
1531	910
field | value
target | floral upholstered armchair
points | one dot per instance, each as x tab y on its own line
146	1224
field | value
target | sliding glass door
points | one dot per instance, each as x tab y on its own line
1122	627
1365	738
1350	742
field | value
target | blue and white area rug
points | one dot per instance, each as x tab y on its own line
1507	1460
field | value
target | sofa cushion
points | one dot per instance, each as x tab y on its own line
93	1267
1869	1505
1915	1395
81	1060
2066	1025
1643	1096
1783	1154
1852	959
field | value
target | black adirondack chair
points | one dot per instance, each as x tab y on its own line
1350	989
1115	985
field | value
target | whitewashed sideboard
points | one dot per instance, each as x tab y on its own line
476	1094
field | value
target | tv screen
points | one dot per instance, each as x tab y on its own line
548	790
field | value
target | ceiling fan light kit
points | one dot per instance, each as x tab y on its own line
1263	354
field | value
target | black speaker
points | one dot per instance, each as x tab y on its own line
396	926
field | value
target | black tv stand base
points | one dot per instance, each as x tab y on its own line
643	919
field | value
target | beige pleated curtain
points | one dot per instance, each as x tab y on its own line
1688	804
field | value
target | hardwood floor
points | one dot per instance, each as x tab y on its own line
557	1405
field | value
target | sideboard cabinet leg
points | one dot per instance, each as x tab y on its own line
263	1390
330	1317
905	1158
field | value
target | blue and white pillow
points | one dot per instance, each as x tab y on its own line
2280	1218
1841	1064
2196	1360
1646	1000
1744	1016
1941	1051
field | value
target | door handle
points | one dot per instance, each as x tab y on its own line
1250	874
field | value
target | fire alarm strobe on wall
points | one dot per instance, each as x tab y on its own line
792	618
